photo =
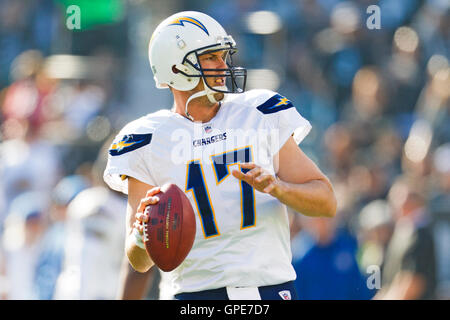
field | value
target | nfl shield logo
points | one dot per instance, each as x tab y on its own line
285	295
208	129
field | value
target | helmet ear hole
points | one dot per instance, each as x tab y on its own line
174	69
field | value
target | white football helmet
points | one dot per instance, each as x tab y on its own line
174	49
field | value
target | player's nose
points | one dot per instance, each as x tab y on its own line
221	63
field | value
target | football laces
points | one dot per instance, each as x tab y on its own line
145	227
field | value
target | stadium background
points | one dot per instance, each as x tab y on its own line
378	101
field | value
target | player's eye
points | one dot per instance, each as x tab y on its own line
209	57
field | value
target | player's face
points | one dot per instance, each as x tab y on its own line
214	60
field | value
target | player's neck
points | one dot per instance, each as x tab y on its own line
200	111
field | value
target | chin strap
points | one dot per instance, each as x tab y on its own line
195	95
207	92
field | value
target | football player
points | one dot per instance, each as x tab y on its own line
236	155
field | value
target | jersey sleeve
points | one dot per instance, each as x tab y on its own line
129	156
283	120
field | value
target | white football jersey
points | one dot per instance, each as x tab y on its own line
242	236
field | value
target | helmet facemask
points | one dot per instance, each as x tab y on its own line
235	77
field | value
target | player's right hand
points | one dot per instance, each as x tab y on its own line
141	216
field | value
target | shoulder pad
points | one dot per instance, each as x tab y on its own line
251	98
138	133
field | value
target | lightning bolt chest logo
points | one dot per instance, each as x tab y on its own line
182	20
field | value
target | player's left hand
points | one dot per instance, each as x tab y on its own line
259	179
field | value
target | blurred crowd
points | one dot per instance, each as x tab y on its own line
378	100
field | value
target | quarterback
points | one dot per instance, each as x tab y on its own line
236	155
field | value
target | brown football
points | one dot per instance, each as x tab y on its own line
170	231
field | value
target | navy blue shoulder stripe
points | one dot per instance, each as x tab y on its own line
129	143
275	104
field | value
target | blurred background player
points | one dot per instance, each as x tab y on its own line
375	226
409	271
325	262
22	243
95	236
51	256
